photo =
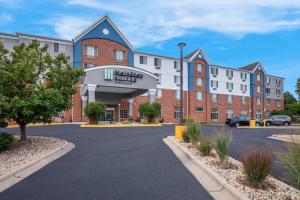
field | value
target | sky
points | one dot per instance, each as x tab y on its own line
233	33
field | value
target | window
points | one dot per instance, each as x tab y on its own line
278	92
268	80
277	102
268	91
268	102
177	79
62	48
158	93
199	109
176	113
214	71
91	51
177	94
258	77
199	67
229	74
244	113
258	114
123	114
199	82
214	84
157	63
243	76
214	97
159	77
258	100
176	65
143	59
199	96
229	113
243	88
258	89
243	99
214	114
56	47
119	55
229	86
278	82
229	98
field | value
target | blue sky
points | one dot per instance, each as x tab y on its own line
232	33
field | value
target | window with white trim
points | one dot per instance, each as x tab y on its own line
214	71
278	92
199	109
214	84
229	73
259	114
277	101
199	96
243	88
123	114
258	77
159	77
229	98
268	80
176	65
119	55
143	59
157	63
91	51
229	86
177	79
214	97
243	76
177	94
268	101
199	67
199	82
56	47
258	89
258	100
176	112
214	114
229	113
268	91
243	99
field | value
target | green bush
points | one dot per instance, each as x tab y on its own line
257	166
193	132
188	121
6	140
291	159
205	147
222	144
185	137
150	111
95	110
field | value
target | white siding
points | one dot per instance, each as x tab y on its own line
236	80
166	70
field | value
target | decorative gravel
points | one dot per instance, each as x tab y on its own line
24	152
274	189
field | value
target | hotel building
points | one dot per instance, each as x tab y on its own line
122	77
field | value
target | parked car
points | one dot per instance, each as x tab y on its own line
241	121
3	124
278	120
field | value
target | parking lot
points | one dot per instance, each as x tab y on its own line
129	163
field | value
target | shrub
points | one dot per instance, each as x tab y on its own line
257	166
6	140
188	121
185	137
193	132
95	110
222	144
205	147
291	159
150	111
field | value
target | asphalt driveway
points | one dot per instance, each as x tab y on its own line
120	163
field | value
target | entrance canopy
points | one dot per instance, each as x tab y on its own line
111	83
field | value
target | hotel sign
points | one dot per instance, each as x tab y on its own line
121	76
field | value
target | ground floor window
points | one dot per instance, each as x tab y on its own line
258	114
199	109
214	113
229	113
176	113
123	114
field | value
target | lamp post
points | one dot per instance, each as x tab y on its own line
181	45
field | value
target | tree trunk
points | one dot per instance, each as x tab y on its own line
23	132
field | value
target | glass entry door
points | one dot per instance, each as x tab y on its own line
109	115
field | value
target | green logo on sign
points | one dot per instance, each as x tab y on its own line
108	74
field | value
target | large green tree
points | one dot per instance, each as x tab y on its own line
298	88
289	98
34	86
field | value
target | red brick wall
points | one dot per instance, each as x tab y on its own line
257	107
106	50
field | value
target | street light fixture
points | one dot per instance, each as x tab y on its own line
181	45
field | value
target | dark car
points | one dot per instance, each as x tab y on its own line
241	121
279	120
3	124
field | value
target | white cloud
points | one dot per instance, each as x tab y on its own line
155	21
5	17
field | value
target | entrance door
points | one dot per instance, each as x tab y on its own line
109	115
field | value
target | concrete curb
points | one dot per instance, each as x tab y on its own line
26	170
216	186
285	138
120	125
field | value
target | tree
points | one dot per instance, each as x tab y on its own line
298	88
95	110
150	110
34	86
289	98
